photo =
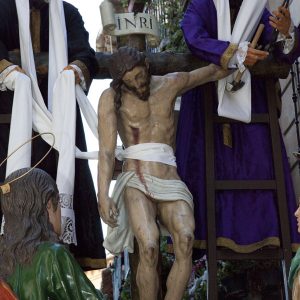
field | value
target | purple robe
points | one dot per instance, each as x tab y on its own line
245	220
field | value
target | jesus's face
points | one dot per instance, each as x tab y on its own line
138	81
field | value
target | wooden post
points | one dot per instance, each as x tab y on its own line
135	41
134	262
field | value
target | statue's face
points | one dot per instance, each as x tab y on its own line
138	81
54	217
297	214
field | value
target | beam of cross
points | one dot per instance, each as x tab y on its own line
163	63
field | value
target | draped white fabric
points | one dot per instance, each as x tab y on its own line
156	152
62	99
237	104
121	237
22	101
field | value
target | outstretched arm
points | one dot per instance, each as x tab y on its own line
185	81
107	128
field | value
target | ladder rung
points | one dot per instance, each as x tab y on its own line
5	118
245	185
255	118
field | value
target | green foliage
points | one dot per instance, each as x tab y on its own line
170	18
125	3
125	290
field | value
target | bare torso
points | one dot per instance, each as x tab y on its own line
139	122
149	121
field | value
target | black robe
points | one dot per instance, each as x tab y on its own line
89	251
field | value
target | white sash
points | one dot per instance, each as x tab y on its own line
64	117
156	152
22	102
237	105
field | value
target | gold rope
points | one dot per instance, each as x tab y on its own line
5	188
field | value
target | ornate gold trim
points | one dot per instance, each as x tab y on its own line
84	69
229	52
93	263
227	135
228	243
4	64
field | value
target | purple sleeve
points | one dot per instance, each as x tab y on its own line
295	52
199	27
267	32
266	36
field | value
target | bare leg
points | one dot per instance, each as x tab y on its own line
142	216
178	218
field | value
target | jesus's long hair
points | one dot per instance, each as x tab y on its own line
122	61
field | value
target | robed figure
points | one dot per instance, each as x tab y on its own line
89	250
245	220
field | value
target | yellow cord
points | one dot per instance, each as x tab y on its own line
5	188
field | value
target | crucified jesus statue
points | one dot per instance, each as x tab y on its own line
148	193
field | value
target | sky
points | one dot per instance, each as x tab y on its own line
89	10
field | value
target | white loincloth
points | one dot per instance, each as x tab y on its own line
156	152
121	237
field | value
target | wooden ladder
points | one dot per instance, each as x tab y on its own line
282	254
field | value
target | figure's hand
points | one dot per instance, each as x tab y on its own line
10	77
254	55
18	69
281	20
108	211
77	77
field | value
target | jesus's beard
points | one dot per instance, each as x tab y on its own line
145	93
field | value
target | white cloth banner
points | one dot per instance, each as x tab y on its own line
63	121
42	117
237	105
22	102
62	98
